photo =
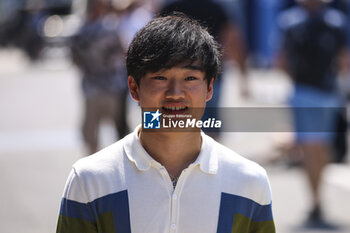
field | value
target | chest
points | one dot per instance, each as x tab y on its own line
193	206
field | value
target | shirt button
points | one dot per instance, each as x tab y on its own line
173	226
174	196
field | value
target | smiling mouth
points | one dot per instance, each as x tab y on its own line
174	109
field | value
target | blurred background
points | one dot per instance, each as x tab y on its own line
43	103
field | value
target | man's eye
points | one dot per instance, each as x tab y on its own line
189	78
159	78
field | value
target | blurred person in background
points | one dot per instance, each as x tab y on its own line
313	53
98	53
132	18
214	17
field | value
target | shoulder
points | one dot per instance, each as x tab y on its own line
335	18
241	176
291	17
100	174
103	160
229	159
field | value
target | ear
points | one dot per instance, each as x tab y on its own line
133	88
210	90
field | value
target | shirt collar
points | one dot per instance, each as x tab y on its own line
136	153
207	159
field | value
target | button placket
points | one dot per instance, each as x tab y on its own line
168	184
167	179
175	204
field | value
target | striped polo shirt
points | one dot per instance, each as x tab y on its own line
122	189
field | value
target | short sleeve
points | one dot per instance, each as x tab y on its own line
75	214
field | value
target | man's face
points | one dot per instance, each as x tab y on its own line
172	91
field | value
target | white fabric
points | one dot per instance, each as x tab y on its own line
154	206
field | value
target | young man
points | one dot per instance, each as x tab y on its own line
176	180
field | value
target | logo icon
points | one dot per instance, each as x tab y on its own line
151	120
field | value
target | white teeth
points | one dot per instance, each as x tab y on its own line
175	108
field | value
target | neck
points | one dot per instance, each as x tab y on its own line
174	150
314	7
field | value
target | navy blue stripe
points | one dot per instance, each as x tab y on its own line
116	203
232	204
75	209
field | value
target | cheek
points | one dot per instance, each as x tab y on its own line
149	97
198	93
196	88
153	92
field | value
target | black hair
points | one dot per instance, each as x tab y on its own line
169	41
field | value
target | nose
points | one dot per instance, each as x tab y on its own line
175	90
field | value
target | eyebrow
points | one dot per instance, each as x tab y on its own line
193	67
